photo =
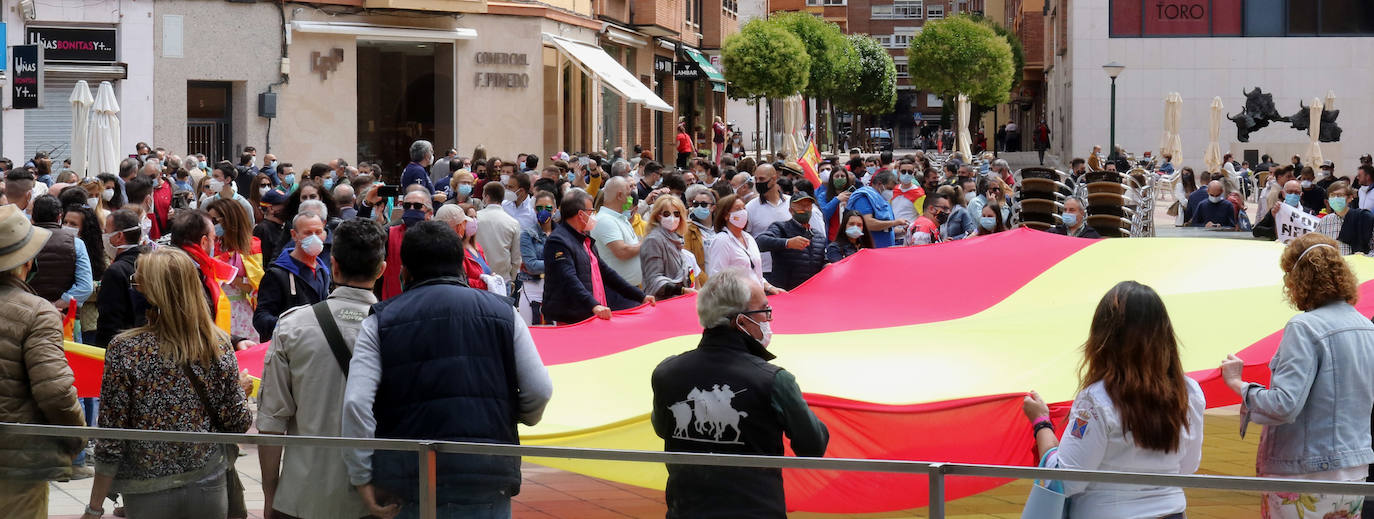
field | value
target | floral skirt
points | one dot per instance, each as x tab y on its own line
1292	505
240	314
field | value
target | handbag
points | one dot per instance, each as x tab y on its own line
1173	209
232	483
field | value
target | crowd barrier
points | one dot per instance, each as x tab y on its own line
937	472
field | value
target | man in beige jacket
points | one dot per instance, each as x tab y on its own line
36	384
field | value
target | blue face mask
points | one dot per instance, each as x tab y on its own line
465	189
871	169
1292	199
1070	219
853	232
289	180
328	184
571	176
543	215
988	222
907	178
219	230
701	213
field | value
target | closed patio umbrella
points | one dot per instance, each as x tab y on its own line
1171	143
81	102
1314	118
103	147
1211	159
964	144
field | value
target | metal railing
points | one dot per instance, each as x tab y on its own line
936	471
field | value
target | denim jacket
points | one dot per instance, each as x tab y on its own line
1316	410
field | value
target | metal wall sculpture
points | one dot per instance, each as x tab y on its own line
1259	111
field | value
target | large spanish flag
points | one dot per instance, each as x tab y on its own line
927	365
809	160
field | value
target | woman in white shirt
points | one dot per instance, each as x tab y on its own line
732	247
1137	411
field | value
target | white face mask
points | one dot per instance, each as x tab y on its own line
825	175
670	223
510	196
765	328
92	202
216	186
107	195
312	245
739	218
263	190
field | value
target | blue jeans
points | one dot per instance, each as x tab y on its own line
497	510
91	408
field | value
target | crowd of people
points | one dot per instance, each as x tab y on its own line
358	274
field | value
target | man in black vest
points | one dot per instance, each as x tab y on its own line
725	397
441	361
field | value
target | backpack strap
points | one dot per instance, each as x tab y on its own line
332	335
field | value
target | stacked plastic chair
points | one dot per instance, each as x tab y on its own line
1120	204
1039	197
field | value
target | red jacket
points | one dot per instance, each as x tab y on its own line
473	268
162	203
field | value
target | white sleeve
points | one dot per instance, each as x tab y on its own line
1085	440
364	375
531	377
1190	440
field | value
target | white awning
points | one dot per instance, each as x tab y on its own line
382	32
596	61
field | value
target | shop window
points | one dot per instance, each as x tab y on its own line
1302	18
405	108
1347	17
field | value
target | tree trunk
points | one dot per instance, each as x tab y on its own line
758	129
769	123
808	130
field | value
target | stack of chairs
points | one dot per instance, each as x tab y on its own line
1114	204
1039	197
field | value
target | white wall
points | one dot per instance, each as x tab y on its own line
1200	68
134	18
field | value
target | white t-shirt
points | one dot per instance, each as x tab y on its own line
727	252
761	215
1093	440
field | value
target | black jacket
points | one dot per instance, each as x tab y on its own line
1265	227
284	287
568	279
121	307
1356	229
793	267
1087	232
269	234
725	397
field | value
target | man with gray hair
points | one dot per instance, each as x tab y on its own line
706	398
297	276
417	172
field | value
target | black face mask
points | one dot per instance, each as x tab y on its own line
763	187
941	218
802	218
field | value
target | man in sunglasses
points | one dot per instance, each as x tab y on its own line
726	397
415	209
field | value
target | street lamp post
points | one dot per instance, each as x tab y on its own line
1113	70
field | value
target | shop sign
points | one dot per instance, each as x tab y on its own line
26	89
686	71
715	62
75	44
663	65
323	64
1132	18
501	79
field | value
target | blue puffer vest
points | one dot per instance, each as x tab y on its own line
448	373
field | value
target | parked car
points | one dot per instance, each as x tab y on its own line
880	139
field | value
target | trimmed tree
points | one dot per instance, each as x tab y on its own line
960	55
834	62
763	61
876	90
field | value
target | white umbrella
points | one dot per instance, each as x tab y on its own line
1211	158
1314	118
1330	103
103	143
1171	143
81	102
964	144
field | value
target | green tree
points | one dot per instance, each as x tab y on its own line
764	60
833	59
875	91
960	55
1018	51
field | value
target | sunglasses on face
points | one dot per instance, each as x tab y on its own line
413	206
666	214
700	203
543	208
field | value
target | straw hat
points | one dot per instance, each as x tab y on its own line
20	241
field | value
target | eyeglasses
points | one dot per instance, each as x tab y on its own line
413	206
767	312
700	203
543	208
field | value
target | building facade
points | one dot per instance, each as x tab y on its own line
103	40
1294	49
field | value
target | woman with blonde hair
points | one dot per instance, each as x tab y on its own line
176	373
666	270
1315	411
236	245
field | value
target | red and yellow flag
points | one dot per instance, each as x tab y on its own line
810	159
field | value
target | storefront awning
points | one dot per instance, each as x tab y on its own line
381	32
712	73
597	62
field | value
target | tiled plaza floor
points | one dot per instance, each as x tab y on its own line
551	493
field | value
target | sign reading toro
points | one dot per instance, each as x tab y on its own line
501	79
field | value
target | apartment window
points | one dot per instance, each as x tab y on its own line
902	36
884	39
731	7
815	3
901	70
935	12
693	12
899	10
